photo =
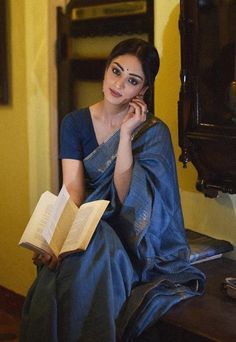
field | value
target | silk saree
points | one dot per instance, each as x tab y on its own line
137	264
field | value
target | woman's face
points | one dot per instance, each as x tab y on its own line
123	80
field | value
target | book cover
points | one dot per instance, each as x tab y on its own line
204	247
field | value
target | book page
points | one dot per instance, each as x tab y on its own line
37	223
59	205
84	225
63	227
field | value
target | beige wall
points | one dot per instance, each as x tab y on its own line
14	180
28	132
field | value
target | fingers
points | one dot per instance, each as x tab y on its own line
45	259
139	108
35	256
37	260
53	263
137	115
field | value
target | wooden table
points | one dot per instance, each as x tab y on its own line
211	317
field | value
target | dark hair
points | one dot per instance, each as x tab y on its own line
147	55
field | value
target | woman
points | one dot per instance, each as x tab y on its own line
137	263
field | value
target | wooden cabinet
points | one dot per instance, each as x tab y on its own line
207	102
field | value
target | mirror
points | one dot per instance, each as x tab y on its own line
207	102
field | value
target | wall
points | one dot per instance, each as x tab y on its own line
28	136
216	217
14	180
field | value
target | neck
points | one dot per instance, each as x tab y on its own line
112	113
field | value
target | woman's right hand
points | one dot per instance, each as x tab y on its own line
135	116
45	259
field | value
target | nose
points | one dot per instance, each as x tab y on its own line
119	83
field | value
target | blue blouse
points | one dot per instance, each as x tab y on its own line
77	135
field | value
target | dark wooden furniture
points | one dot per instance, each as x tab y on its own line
207	102
211	317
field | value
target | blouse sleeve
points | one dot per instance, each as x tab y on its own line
70	144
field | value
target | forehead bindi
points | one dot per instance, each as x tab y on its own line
129	64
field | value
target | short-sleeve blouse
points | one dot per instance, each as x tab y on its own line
77	135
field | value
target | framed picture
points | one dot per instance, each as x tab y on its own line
4	86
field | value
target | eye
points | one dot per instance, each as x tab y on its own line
116	71
133	81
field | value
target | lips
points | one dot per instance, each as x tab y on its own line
115	93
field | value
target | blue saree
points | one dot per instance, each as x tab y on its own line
137	264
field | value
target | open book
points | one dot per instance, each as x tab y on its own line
57	226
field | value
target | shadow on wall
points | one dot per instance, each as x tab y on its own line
168	81
167	93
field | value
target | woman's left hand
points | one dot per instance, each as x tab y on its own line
45	259
137	114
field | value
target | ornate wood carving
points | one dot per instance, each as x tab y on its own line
207	101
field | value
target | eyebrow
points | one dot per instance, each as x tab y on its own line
129	73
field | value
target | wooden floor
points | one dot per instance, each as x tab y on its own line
9	327
10	312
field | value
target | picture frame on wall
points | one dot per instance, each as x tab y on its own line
4	81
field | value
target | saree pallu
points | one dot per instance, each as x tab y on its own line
137	264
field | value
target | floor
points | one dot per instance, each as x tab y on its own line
9	327
10	312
